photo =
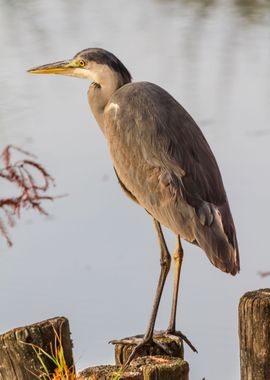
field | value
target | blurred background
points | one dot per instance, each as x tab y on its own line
96	259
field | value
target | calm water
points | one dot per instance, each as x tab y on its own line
96	259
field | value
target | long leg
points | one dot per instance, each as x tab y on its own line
165	263
178	259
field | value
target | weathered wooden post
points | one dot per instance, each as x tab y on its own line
254	335
24	356
18	358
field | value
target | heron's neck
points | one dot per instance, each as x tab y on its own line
99	96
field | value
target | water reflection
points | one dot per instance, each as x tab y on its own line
253	11
213	56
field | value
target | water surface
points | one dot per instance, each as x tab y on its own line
96	259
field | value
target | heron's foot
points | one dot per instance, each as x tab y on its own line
140	346
175	335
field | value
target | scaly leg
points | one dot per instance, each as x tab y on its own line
178	259
171	330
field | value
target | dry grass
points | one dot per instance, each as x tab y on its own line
57	358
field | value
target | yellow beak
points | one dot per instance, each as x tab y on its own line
61	67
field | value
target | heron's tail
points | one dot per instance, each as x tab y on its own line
218	239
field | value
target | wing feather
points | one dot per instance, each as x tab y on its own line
170	139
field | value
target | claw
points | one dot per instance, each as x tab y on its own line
135	340
177	336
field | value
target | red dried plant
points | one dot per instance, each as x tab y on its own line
23	174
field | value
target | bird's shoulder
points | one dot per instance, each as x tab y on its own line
146	91
149	109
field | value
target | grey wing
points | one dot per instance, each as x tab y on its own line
170	138
124	188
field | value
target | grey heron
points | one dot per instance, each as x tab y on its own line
162	161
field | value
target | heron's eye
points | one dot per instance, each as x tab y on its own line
82	63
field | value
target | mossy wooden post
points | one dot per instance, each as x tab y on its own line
18	359
143	367
254	335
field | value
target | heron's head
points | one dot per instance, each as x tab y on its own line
93	64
